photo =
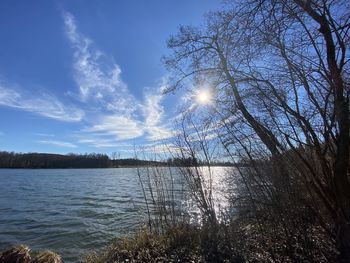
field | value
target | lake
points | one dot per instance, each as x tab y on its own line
70	211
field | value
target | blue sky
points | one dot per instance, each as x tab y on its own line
86	76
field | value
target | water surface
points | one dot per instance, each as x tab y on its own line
70	211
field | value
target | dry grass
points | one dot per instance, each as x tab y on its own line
242	240
180	244
21	254
47	256
16	254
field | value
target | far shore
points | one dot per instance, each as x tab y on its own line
114	167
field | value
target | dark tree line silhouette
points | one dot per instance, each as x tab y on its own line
87	160
45	160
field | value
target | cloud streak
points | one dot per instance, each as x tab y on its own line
120	127
106	110
153	113
44	104
98	78
119	114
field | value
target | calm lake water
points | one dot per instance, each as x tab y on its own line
70	211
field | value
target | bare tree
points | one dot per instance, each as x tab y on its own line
282	67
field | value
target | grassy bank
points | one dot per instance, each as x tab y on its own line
241	240
23	254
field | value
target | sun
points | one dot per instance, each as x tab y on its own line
203	97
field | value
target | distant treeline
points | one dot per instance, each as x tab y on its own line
46	160
91	160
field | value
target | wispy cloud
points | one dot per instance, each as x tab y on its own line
97	76
107	110
43	104
119	114
154	113
153	110
120	127
58	143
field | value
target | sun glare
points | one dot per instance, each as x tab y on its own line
203	97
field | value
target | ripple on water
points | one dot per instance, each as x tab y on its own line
71	211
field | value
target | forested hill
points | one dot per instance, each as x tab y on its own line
91	160
46	160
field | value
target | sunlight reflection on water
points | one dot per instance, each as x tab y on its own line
222	181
